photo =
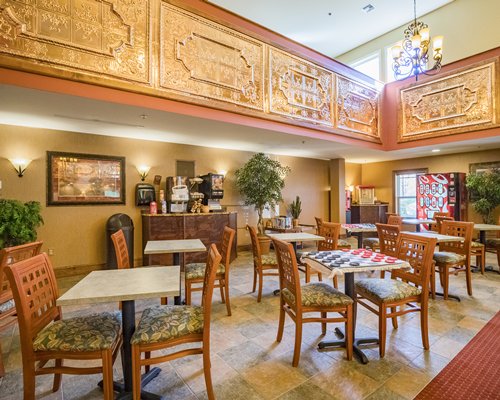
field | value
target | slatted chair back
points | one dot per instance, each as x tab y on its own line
418	252
226	245
319	222
288	272
457	228
439	220
388	238
11	255
330	231
257	261
121	249
213	261
395	220
35	292
440	214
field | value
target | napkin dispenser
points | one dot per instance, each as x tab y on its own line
144	194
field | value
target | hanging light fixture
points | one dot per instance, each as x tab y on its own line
411	57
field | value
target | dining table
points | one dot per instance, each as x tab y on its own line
358	230
418	222
483	228
174	247
126	285
317	261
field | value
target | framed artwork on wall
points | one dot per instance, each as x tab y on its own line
84	179
479	168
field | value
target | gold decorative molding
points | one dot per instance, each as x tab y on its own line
461	102
299	89
357	107
205	60
101	37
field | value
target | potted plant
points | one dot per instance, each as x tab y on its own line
18	222
295	208
260	181
484	190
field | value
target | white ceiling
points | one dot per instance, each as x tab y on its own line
34	108
348	26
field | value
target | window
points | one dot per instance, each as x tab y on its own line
405	193
369	65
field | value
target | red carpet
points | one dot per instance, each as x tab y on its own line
474	374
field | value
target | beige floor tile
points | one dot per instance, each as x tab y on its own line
407	382
447	347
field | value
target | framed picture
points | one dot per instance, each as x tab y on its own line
84	179
366	194
479	168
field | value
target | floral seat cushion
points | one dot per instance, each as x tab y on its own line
7	306
197	270
476	244
448	257
269	259
371	242
343	243
88	333
162	323
319	295
385	290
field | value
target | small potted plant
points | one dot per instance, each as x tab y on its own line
18	222
295	208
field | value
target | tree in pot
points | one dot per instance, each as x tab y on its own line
18	222
484	190
260	181
295	208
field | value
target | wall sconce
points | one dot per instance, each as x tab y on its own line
143	171
350	188
20	165
222	172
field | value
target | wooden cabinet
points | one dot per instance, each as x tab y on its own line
369	213
206	227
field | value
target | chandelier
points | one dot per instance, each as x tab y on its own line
411	57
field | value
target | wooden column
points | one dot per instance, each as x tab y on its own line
337	194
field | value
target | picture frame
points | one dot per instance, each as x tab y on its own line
84	179
478	168
366	194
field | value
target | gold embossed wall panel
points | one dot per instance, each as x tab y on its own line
357	107
101	37
464	101
207	61
299	89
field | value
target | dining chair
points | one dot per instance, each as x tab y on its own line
263	264
11	255
195	272
374	242
319	222
297	301
46	336
165	327
405	287
331	232
454	256
478	250
388	238
439	220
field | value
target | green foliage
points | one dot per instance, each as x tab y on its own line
484	190
260	181
18	222
295	208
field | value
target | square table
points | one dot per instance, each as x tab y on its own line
174	247
126	285
440	238
417	222
358	230
348	272
483	228
293	238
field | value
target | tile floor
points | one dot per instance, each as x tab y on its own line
248	363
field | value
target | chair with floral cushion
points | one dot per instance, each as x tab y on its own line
439	219
165	327
11	255
46	336
478	250
297	301
263	264
393	293
374	242
454	256
195	272
388	238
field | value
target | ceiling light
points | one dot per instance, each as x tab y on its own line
436	150
368	8
411	56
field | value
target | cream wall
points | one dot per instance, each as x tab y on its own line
380	174
468	26
77	233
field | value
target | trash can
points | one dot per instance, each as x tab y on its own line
114	224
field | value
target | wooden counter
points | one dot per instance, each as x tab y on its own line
207	227
368	213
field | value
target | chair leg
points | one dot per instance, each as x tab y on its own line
382	274
468	277
29	380
221	287
57	376
298	341
207	371
261	283
320	277
382	320
308	274
107	375
348	331
394	319
228	305
335	282
482	257
136	373
281	323
323	324
147	355
254	280
433	283
424	325
446	282
2	369
188	292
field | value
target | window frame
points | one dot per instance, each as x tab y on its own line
395	174
362	60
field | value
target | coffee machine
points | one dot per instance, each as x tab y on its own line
177	194
212	188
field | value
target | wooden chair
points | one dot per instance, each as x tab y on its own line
263	264
46	336
165	327
374	243
441	214
388	238
478	250
11	255
319	222
393	293
313	298
454	256
439	219
195	272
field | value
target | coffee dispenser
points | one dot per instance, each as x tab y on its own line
177	193
212	188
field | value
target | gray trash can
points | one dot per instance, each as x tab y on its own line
114	224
